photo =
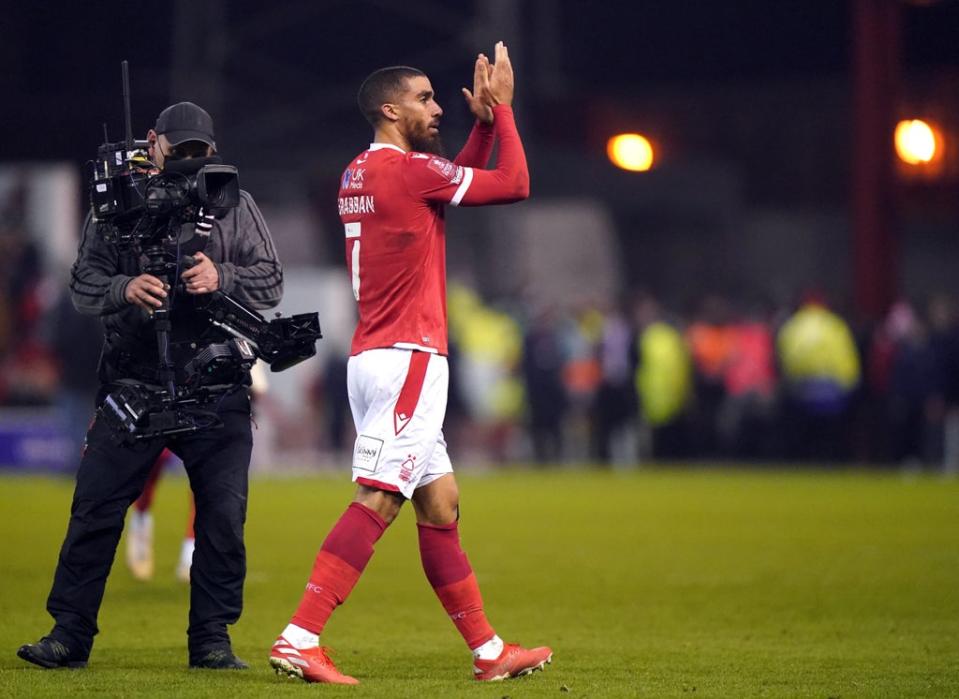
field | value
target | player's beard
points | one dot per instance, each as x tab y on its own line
425	142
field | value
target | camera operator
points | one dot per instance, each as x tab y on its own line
234	254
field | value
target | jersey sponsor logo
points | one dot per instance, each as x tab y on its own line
457	176
443	167
355	179
366	453
362	204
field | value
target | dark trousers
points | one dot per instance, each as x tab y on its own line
110	478
614	406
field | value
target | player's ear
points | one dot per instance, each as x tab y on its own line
152	140
390	112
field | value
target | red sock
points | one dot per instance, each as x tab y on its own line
341	560
449	572
191	518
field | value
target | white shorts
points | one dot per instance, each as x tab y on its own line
398	399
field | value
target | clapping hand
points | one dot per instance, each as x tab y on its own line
492	84
477	99
500	86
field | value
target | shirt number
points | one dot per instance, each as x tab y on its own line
353	231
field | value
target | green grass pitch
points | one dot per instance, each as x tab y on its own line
658	583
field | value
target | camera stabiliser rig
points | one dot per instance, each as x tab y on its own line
141	210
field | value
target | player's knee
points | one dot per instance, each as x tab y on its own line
438	514
384	503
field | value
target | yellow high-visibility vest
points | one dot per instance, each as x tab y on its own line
664	375
815	343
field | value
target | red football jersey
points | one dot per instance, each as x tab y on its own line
391	204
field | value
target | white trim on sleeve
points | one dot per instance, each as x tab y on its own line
464	186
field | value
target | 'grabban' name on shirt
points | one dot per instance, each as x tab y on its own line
357	205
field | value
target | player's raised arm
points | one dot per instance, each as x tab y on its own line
509	181
441	181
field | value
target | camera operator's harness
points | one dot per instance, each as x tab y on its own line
143	214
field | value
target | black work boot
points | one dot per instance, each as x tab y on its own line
218	659
49	653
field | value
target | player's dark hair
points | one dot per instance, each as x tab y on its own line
382	86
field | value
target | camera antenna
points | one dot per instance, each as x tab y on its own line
125	70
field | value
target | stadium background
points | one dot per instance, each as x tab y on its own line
618	319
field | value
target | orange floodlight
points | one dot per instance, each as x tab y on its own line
917	142
630	151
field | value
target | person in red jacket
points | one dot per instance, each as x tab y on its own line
391	201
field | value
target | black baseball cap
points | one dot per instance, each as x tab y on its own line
185	121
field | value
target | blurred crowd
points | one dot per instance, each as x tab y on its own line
598	383
48	351
636	381
26	365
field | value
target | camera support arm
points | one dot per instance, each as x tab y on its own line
163	269
136	411
281	342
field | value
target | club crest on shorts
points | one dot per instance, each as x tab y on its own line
406	468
